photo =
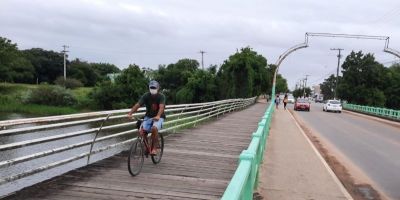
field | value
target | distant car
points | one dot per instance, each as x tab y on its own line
302	104
319	99
290	99
332	105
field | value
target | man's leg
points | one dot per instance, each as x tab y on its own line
146	126
154	140
154	135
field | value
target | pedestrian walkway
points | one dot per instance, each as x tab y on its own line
292	169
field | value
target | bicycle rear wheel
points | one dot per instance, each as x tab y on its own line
160	149
135	158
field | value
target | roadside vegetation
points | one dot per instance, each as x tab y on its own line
32	81
42	99
366	82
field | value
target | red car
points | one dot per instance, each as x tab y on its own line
302	104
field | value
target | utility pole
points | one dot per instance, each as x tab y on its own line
65	62
305	85
202	58
337	71
301	84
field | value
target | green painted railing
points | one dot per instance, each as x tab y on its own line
245	179
380	112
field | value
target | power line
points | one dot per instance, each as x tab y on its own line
391	62
324	76
390	13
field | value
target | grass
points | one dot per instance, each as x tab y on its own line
12	95
13	88
81	93
35	109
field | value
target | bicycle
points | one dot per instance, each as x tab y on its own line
142	142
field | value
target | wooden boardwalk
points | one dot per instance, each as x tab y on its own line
198	163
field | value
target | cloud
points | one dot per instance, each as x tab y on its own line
152	32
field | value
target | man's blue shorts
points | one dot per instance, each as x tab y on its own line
149	122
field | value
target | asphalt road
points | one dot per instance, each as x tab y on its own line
372	146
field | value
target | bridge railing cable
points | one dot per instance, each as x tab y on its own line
102	132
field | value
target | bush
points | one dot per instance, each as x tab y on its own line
70	83
52	95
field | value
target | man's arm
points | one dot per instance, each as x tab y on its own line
133	110
136	106
160	112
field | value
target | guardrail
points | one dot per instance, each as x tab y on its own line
245	179
379	112
178	116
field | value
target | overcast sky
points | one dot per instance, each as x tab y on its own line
149	33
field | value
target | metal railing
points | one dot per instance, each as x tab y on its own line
245	179
178	116
379	112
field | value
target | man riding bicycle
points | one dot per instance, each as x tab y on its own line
154	117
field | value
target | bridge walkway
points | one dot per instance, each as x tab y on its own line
198	163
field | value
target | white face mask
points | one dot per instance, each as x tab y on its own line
153	91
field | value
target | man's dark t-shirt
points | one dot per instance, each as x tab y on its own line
152	103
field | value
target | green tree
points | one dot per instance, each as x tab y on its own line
126	90
299	92
244	74
8	53
281	84
328	87
103	69
363	80
83	71
392	91
48	64
14	67
21	70
201	87
175	76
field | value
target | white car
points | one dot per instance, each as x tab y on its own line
290	99
332	105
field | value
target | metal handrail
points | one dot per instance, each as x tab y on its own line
195	113
379	112
101	114
63	136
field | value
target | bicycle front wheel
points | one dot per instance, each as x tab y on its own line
135	158
159	148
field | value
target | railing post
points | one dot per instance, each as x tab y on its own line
218	110
258	155
249	187
212	109
95	137
198	115
179	116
